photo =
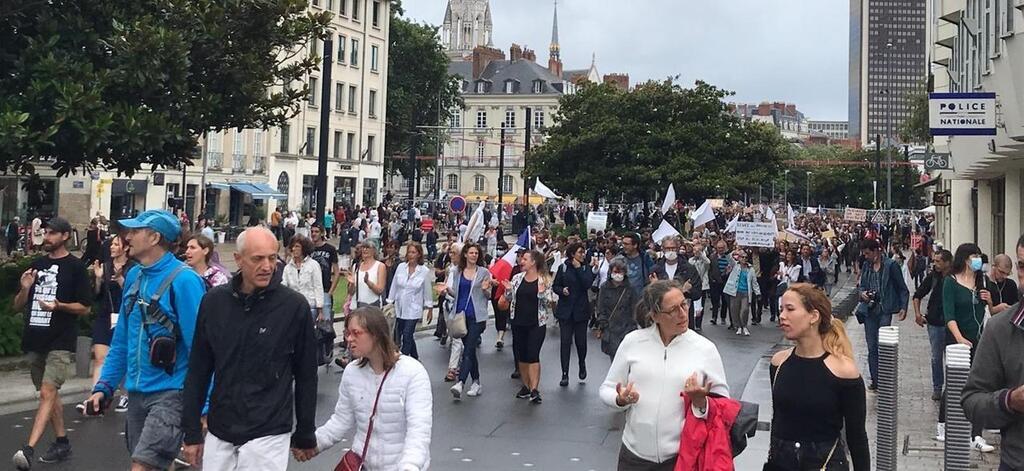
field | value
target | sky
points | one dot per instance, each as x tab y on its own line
763	50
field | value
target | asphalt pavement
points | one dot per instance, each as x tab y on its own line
571	430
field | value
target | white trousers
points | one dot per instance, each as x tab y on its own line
456	354
262	454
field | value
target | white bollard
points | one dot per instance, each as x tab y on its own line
957	449
888	398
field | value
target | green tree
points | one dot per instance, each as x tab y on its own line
916	128
608	143
420	91
843	177
126	84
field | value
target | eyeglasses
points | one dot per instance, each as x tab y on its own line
354	333
680	309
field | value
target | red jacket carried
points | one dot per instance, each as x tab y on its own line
705	443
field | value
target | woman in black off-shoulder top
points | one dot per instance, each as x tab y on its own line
816	390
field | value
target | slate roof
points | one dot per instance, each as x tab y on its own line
523	71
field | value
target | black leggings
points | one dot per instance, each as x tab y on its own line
569	330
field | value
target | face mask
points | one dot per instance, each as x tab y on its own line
617	277
670	255
976	264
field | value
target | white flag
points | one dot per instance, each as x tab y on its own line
664	230
731	227
543	190
475	225
703	215
670	199
769	213
790	216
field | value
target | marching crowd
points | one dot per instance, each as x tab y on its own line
219	369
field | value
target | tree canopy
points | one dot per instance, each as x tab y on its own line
420	89
126	84
609	143
843	177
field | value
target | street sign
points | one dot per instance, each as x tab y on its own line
457	204
962	114
940	198
937	161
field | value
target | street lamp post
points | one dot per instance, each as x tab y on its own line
785	187
807	204
888	126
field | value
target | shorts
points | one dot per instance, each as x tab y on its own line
527	341
153	427
53	368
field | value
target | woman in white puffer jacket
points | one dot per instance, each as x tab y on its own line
401	428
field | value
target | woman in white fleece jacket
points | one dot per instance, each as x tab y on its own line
651	368
401	428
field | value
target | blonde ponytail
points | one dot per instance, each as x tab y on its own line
835	340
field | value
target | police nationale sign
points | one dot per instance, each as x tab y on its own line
962	114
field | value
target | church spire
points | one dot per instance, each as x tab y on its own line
555	49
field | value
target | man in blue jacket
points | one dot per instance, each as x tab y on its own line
152	341
883	292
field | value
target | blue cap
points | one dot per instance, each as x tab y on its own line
158	220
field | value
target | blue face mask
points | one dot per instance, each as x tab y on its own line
976	264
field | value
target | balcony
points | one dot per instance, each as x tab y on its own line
237	162
214	160
259	164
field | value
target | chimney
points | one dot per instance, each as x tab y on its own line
555	67
515	53
530	55
482	56
791	110
620	81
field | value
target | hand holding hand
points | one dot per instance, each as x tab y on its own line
304	455
919	319
626	395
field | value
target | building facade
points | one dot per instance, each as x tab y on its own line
835	130
977	46
888	63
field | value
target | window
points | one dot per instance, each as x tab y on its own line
538	119
373	103
343	7
370	142
479	152
316	3
509	87
352	98
355	10
257	142
338	137
341	43
314	47
373	58
538	86
238	147
478	183
481	119
506	184
339	97
350	146
311	97
310	140
376	13
456	121
453	182
355	52
285	134
510	119
481	87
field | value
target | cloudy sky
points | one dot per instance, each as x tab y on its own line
775	50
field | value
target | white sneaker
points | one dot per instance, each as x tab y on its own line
474	390
746	332
122	404
981	445
739	331
940	432
457	391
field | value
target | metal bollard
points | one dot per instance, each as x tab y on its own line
957	449
888	398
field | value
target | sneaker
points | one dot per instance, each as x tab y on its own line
457	391
714	322
23	458
515	374
873	386
940	432
58	452
524	393
738	331
122	402
475	389
535	397
444	340
500	345
746	332
937	395
981	445
565	380
583	374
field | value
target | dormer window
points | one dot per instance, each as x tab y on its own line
538	86
509	87
481	87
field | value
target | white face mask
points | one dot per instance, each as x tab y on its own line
671	255
618	277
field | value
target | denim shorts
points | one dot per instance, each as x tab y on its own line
153	427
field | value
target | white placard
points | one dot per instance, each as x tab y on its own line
597	221
855	214
962	114
756	234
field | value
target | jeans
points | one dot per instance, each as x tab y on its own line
937	339
470	367
405	330
567	331
328	306
716	301
871	325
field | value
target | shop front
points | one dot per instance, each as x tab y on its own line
127	198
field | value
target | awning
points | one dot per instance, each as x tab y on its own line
218	186
258	190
